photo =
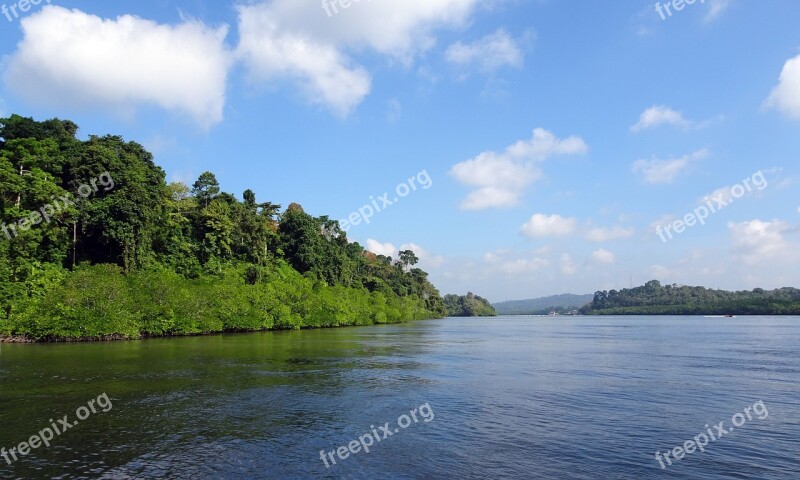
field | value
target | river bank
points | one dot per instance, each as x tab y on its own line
22	339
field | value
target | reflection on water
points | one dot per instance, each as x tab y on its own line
515	397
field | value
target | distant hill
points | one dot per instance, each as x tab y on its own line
543	306
656	299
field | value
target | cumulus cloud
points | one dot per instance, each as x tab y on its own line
541	225
658	115
759	241
666	171
379	248
523	265
603	256
426	258
660	272
490	53
298	42
68	58
785	97
501	181
501	178
608	234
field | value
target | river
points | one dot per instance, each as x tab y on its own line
507	397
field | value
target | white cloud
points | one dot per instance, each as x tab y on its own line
299	42
495	256
665	171
786	96
501	181
609	234
490	53
510	262
523	265
325	75
662	222
379	248
501	178
426	258
491	257
658	115
660	272
759	241
68	58
722	194
716	8
603	256
548	226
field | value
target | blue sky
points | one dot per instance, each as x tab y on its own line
556	134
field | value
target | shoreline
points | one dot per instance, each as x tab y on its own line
22	339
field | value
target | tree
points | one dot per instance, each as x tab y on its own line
120	223
137	255
407	259
205	188
249	199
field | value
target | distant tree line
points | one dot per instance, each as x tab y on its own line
151	258
469	305
656	299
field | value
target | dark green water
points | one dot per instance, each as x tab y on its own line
512	397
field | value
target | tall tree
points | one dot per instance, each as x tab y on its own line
205	188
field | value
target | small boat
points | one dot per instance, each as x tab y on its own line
729	316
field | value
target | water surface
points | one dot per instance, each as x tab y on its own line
512	397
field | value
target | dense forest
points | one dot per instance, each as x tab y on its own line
656	299
95	244
542	306
469	305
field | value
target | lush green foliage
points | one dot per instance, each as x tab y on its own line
145	258
469	305
99	301
542	306
656	299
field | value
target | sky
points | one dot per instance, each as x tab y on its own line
521	148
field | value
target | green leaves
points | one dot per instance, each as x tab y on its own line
469	305
149	258
655	299
205	188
